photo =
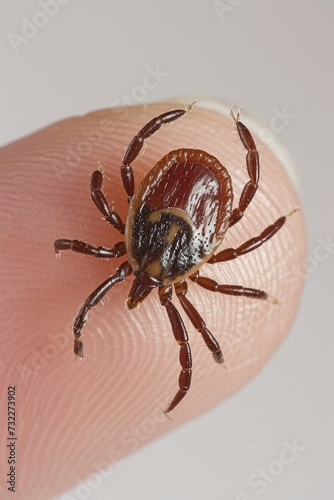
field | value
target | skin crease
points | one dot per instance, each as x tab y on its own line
75	416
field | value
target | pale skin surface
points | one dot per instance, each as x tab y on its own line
75	416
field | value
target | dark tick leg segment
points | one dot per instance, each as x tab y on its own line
94	298
253	169
238	290
137	143
181	337
249	245
82	247
181	289
100	201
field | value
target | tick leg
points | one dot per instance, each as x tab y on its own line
181	337
213	286
253	169
137	143
100	201
181	289
249	245
82	247
94	298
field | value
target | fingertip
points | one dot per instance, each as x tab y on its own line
130	367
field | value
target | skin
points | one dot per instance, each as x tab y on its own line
75	416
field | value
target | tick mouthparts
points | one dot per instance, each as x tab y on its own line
141	288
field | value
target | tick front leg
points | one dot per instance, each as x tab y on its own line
94	298
181	337
181	289
82	247
238	290
249	245
101	203
137	143
253	169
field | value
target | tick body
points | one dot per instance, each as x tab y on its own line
176	221
177	218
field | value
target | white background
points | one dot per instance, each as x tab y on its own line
267	56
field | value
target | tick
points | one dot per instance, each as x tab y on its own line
177	219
